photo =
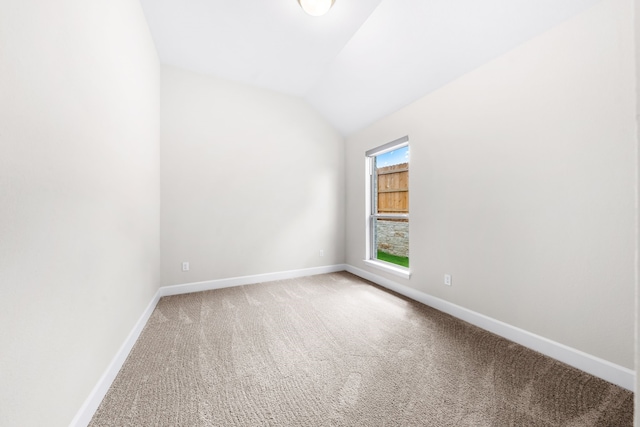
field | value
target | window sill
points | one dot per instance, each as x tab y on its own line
403	272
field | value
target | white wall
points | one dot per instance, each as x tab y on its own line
251	181
637	299
523	185
79	197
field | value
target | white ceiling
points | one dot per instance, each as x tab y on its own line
361	61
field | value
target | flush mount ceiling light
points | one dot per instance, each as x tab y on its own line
316	7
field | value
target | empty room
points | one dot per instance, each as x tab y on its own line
319	212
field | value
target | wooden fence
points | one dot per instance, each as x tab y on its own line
393	189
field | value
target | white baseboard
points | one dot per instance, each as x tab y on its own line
595	366
247	280
90	405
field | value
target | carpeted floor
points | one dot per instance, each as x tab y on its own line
334	350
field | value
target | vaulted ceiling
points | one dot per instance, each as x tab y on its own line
363	60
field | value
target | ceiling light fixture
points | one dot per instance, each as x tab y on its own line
316	7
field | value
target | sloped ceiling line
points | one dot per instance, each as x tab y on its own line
362	61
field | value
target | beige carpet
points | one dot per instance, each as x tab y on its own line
334	350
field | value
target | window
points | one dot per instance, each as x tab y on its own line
388	206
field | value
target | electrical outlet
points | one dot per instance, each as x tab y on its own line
321	252
185	266
447	279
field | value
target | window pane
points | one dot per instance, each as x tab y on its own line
392	240
392	181
389	215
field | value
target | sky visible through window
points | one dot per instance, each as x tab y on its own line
395	157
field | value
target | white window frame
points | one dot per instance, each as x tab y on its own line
371	210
